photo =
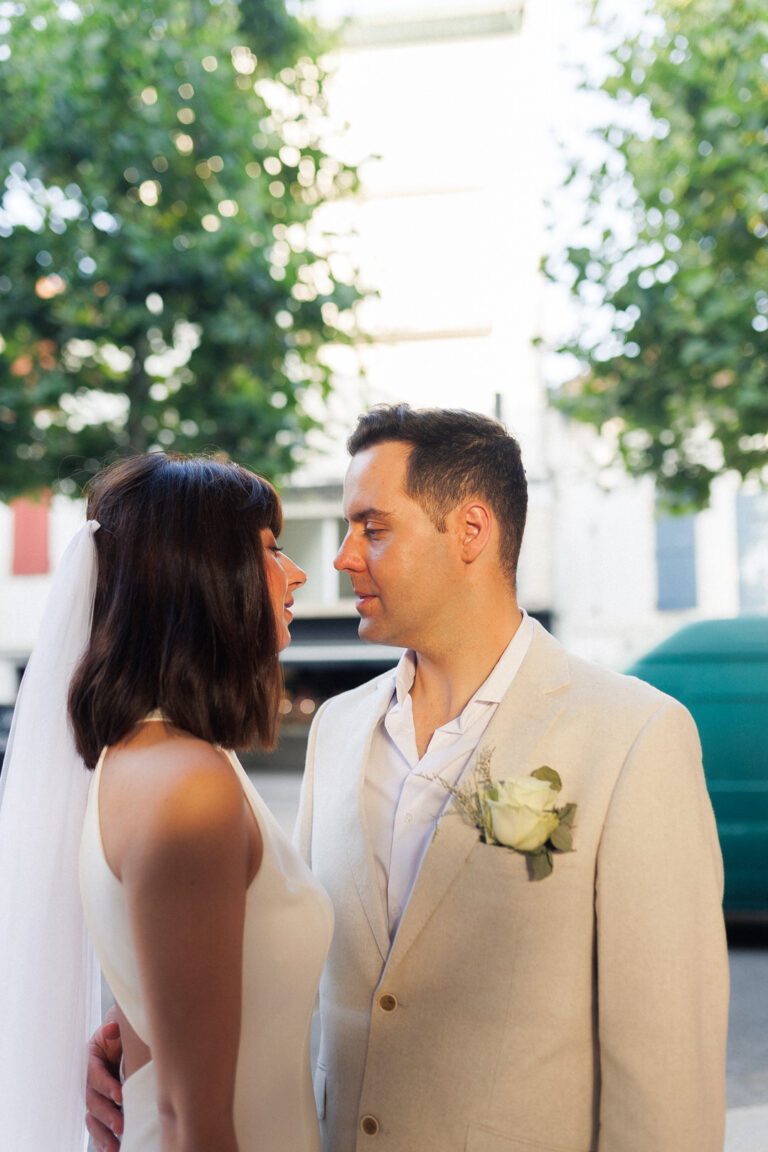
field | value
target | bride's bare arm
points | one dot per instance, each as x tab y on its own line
192	850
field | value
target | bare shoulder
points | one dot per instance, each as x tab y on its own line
167	795
158	765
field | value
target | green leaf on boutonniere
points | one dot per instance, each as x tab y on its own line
539	864
550	776
562	838
566	814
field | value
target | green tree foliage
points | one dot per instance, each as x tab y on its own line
670	271
163	278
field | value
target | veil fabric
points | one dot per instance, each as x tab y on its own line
49	976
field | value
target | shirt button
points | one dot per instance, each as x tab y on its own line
387	1002
409	818
369	1125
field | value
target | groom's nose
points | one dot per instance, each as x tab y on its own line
348	557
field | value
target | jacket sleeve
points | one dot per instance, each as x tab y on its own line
662	961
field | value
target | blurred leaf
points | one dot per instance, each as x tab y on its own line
684	366
161	280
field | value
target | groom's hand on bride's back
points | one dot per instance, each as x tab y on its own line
103	1096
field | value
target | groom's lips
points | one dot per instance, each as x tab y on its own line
362	598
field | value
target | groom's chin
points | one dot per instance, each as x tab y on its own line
366	629
373	632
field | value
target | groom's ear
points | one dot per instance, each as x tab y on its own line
473	525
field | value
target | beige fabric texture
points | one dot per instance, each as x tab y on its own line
586	1011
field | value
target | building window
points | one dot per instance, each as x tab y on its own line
30	537
676	563
752	538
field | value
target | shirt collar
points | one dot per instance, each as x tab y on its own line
496	684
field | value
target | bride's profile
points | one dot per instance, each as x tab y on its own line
160	645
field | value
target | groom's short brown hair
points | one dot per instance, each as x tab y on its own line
455	455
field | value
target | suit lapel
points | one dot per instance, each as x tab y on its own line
523	717
359	729
529	708
452	842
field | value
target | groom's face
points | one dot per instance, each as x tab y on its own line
402	569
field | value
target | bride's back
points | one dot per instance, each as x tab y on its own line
169	819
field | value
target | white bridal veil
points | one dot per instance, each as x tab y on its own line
49	978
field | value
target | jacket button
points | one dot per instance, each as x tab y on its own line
369	1125
387	1002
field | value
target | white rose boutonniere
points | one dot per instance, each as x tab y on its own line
519	813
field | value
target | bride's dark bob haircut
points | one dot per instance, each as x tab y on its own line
182	619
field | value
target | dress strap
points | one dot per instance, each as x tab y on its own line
157	714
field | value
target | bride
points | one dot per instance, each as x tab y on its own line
209	928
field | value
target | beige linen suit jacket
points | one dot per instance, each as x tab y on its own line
586	1011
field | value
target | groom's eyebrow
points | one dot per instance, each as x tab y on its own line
367	514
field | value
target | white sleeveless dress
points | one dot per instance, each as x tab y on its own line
288	928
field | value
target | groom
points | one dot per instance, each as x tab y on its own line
466	1007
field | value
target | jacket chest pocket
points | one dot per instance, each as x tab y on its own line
490	863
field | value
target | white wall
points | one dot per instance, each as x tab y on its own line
448	226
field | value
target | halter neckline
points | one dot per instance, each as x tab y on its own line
157	714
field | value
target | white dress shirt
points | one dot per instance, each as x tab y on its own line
402	804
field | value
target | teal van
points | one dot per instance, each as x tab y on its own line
719	670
